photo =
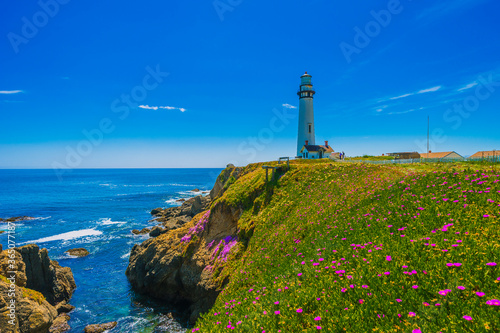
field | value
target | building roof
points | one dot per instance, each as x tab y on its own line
438	155
489	153
310	148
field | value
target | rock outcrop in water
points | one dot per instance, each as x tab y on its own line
16	219
37	288
176	265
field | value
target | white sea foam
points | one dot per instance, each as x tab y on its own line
126	255
191	193
108	221
69	235
42	218
174	201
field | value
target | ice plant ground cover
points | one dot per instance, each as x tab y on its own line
361	248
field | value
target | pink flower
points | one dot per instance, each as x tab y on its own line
415	287
361	301
417	330
317	318
461	287
388	258
486	215
480	294
398	300
318	327
491	264
277	302
444	292
494	302
343	290
299	310
300	274
277	312
467	317
411	314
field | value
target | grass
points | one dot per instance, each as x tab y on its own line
371	158
361	248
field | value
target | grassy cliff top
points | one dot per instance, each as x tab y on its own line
358	248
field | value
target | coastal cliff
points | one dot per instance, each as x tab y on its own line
183	265
335	247
34	298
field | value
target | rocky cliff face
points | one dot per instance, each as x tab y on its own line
179	265
31	298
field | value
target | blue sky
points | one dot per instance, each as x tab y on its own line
200	84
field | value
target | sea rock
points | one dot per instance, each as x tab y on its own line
98	328
175	222
56	283
33	314
195	205
79	252
157	211
141	232
195	190
1	232
60	324
180	200
39	285
156	231
64	307
16	219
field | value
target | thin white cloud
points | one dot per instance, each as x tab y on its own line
10	92
402	96
147	107
288	106
423	91
470	85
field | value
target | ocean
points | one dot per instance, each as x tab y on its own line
97	209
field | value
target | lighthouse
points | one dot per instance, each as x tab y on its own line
306	113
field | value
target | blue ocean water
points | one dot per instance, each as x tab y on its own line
97	209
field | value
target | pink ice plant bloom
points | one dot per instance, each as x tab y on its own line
467	317
494	302
491	264
480	294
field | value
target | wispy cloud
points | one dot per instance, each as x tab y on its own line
147	107
10	92
288	106
423	91
402	96
470	85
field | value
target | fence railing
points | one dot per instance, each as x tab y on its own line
490	159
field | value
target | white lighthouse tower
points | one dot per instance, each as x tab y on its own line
306	113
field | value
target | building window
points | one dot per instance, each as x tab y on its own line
310	128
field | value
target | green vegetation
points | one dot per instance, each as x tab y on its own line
360	247
371	158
